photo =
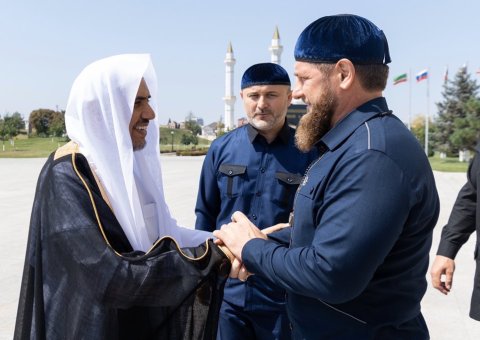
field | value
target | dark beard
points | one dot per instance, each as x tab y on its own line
139	145
315	123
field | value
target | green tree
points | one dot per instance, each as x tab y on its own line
418	130
455	116
189	139
10	126
467	129
193	126
185	140
220	128
16	121
3	129
194	140
40	120
48	122
57	124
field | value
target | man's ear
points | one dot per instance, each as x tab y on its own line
241	94
346	73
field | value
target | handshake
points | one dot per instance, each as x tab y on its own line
232	237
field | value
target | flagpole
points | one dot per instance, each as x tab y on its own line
427	115
410	99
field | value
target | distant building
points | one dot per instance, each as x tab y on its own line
295	112
173	124
229	97
191	117
210	131
242	121
276	48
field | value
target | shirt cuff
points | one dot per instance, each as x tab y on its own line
251	252
448	249
282	236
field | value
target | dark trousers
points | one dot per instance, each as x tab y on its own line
235	323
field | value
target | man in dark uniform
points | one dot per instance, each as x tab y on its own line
256	169
365	210
464	220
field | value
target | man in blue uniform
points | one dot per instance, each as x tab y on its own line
364	213
255	169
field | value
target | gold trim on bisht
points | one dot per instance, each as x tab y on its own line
72	148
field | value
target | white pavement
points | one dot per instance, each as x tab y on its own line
446	316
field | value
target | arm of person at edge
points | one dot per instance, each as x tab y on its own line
323	269
460	226
208	203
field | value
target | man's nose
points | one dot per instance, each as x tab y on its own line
262	102
297	92
148	113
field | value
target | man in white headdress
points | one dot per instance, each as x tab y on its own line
103	258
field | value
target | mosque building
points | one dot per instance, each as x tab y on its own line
295	111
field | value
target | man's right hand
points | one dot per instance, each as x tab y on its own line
442	266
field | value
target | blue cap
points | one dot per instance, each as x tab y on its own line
331	38
265	74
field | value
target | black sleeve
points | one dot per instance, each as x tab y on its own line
461	223
74	282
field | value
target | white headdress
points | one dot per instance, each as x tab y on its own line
97	118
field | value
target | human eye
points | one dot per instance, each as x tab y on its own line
140	100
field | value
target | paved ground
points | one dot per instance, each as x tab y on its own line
447	316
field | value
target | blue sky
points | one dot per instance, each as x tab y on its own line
45	44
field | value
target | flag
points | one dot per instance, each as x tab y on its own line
445	77
422	75
400	79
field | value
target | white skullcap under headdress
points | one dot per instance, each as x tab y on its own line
97	118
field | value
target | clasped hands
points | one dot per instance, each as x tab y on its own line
232	237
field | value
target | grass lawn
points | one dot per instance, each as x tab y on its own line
37	147
167	138
449	164
34	147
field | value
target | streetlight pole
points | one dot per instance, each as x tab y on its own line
172	139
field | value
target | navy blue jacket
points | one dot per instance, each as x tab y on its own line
361	234
243	172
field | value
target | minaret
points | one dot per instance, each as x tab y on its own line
229	97
276	49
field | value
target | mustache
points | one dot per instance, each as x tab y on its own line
262	112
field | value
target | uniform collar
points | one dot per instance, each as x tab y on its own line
352	121
283	134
